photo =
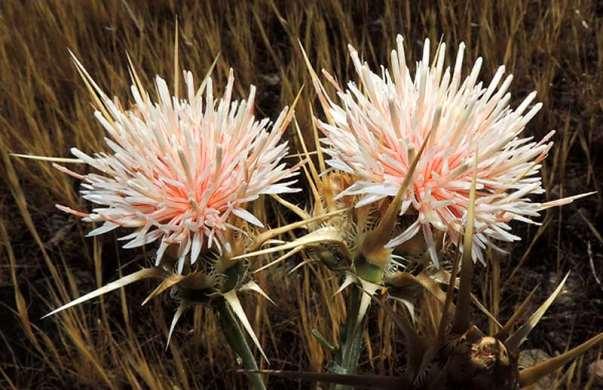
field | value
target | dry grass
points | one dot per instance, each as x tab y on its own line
554	47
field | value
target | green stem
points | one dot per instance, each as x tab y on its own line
237	341
351	339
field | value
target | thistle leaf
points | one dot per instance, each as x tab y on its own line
235	304
368	290
516	315
484	310
165	284
349	279
321	236
291	207
532	374
448	305
462	314
515	340
144	273
267	235
175	320
253	286
298	266
50	159
280	259
381	235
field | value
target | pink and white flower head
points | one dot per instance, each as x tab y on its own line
376	129
179	169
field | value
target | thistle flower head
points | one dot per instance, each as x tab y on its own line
182	169
375	129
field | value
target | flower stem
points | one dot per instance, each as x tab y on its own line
350	348
237	341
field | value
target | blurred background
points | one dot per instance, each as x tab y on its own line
554	47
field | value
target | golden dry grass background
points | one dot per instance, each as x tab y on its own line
555	47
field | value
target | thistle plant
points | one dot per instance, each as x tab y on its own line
415	178
450	153
183	172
